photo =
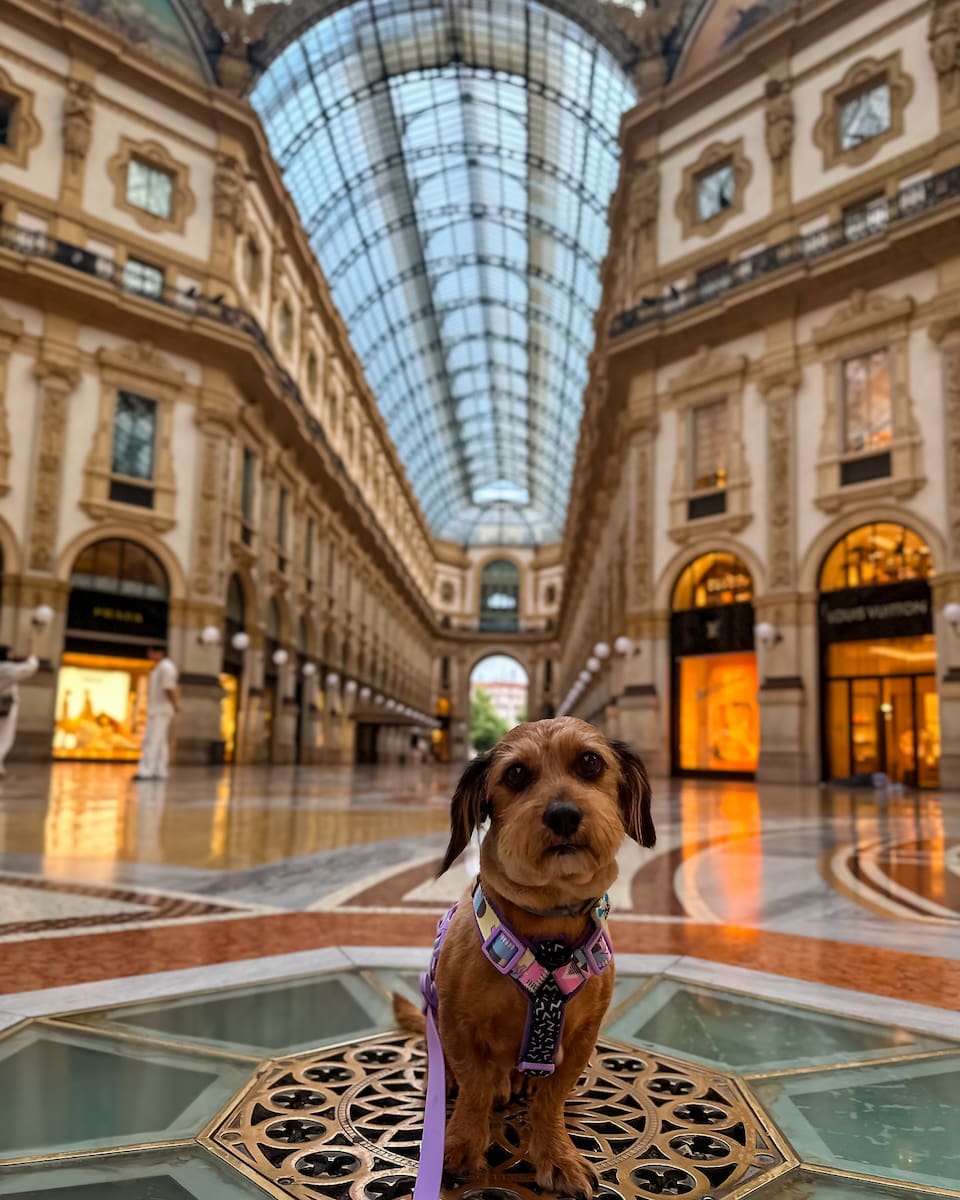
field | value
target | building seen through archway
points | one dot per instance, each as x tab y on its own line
499	699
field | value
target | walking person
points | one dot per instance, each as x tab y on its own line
13	672
163	704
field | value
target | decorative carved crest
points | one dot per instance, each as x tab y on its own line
945	46
779	119
77	119
229	192
239	30
648	31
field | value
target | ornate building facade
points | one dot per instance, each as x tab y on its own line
766	494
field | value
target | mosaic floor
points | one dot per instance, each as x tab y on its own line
296	1087
191	974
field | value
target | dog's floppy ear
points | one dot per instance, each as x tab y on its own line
634	796
467	808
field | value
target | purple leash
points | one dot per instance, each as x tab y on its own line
430	1174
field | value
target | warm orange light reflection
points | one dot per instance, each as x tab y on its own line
719	713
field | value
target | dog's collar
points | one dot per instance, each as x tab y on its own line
548	984
571	910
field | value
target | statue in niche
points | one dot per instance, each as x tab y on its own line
779	120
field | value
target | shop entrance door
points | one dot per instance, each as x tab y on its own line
884	724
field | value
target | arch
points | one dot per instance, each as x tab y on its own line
509	697
133	568
305	635
128	533
667	581
236	607
710	580
830	535
878	553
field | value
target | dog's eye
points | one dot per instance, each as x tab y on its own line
590	765
516	777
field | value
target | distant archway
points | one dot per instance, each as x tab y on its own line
499	699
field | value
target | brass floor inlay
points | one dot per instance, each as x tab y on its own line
346	1123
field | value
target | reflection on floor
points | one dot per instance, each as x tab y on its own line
674	1103
161	941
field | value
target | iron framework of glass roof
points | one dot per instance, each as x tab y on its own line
452	162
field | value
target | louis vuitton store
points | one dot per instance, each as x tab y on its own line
880	708
715	716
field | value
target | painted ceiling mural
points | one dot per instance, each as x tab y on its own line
723	24
151	24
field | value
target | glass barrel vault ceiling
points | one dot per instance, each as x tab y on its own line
452	162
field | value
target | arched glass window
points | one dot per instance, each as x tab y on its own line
713	580
500	597
120	568
876	554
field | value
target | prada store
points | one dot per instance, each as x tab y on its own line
879	703
118	607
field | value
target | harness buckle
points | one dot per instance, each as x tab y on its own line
529	1068
503	950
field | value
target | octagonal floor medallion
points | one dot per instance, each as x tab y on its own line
346	1123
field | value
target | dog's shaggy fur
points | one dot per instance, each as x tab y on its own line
532	859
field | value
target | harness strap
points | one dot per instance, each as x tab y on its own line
430	1172
549	973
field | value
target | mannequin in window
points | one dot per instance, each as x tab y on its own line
12	673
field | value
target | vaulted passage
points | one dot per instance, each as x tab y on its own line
452	165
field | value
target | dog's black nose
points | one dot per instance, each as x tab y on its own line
562	818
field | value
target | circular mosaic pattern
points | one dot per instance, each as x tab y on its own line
347	1122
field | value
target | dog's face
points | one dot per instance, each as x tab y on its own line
560	798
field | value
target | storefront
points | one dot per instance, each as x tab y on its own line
716	717
271	679
118	607
231	675
879	703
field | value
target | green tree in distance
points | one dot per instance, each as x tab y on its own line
487	727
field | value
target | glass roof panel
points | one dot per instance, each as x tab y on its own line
452	164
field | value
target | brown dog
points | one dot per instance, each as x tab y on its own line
560	798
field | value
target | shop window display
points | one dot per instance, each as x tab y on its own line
880	707
716	711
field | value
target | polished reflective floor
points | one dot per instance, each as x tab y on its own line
161	941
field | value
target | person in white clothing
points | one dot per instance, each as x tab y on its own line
12	673
162	706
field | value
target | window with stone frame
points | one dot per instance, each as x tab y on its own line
150	188
285	325
709	447
716	189
134	450
8	119
867	403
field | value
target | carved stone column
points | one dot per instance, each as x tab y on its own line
58	377
785	755
779	122
945	54
946	584
10	331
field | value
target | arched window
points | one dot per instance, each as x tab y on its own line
713	580
876	554
273	621
120	568
500	597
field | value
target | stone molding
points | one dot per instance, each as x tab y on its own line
867	322
183	202
58	377
26	131
139	368
712	375
826	132
711	157
946	335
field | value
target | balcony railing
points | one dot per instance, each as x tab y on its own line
867	223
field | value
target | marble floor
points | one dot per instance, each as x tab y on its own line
162	941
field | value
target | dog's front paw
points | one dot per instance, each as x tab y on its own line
462	1158
566	1174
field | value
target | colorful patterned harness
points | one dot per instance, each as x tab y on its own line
549	973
